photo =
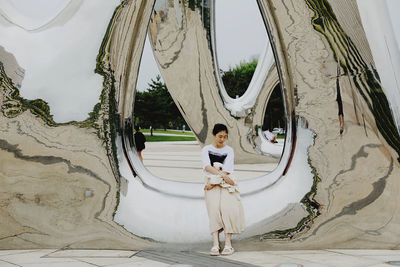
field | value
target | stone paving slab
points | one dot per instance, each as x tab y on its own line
161	258
191	259
91	253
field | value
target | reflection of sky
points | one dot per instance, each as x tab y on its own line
237	39
59	62
32	13
240	32
238	44
161	5
394	7
148	67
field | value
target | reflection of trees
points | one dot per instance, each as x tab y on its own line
155	107
204	7
275	114
236	81
353	64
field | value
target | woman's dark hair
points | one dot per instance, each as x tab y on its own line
219	127
137	127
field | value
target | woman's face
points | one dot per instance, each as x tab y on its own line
220	138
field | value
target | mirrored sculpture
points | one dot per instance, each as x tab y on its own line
81	184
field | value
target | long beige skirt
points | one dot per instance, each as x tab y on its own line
225	210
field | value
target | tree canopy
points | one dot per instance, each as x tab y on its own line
155	107
275	113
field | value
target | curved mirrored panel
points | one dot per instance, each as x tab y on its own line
59	72
166	144
175	39
271	135
240	40
168	148
379	24
181	37
62	171
33	16
83	184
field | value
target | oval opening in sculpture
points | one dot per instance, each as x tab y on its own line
171	151
181	39
271	136
240	38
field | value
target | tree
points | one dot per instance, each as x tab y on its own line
275	113
155	107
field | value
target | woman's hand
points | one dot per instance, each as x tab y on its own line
208	187
227	179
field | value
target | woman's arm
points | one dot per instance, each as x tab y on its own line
223	174
213	170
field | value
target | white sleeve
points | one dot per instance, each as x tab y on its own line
205	158
268	135
228	164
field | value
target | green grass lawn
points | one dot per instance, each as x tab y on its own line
280	136
168	132
163	138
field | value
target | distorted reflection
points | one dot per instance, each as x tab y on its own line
171	150
35	32
271	136
380	23
240	40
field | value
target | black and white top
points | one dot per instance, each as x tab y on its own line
224	155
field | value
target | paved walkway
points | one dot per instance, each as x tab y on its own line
125	258
181	161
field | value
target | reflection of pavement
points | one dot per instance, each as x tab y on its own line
268	148
181	161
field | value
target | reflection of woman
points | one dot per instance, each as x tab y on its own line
140	139
339	101
270	136
225	210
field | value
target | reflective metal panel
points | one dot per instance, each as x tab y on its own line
240	38
180	34
61	183
186	55
378	27
182	41
50	68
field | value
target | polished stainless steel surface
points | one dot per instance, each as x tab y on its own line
336	184
180	35
183	40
